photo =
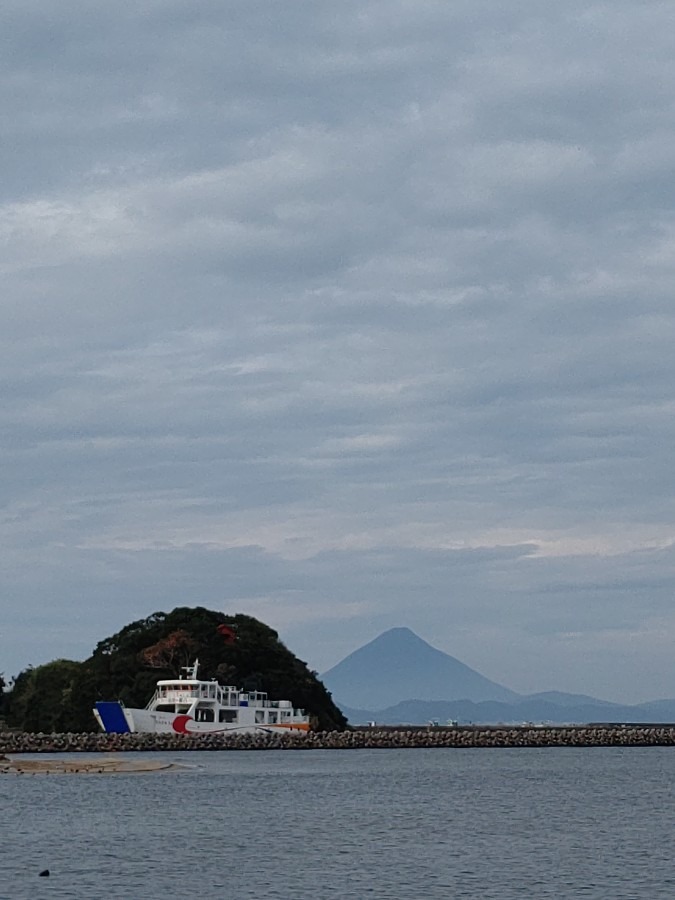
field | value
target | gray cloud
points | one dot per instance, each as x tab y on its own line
347	320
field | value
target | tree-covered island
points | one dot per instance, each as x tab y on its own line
237	649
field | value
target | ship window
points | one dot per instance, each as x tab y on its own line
272	718
260	715
165	707
227	715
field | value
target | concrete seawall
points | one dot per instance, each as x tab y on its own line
366	738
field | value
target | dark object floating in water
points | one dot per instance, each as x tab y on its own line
44	873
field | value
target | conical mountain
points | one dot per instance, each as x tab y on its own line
398	665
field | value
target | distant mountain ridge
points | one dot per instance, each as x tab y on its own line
399	678
399	665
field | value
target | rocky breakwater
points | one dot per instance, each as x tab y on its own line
365	738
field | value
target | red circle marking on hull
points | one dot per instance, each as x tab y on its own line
179	724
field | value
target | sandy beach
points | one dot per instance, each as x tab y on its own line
103	766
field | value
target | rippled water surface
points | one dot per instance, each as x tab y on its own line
593	823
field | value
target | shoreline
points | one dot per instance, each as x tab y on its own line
102	766
377	737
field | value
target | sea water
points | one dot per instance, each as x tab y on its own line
442	823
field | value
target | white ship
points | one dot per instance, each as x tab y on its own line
186	705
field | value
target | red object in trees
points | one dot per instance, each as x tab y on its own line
228	633
172	652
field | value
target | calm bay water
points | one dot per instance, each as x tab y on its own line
590	823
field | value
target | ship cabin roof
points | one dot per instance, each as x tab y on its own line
176	689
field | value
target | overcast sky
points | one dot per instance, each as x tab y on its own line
346	316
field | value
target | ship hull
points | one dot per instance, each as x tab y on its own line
114	718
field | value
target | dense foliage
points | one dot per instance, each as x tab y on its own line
59	696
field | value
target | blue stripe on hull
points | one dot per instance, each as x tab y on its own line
112	716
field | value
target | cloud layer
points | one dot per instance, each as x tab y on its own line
346	318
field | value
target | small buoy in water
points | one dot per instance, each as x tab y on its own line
44	873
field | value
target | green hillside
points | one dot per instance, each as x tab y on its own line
59	696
